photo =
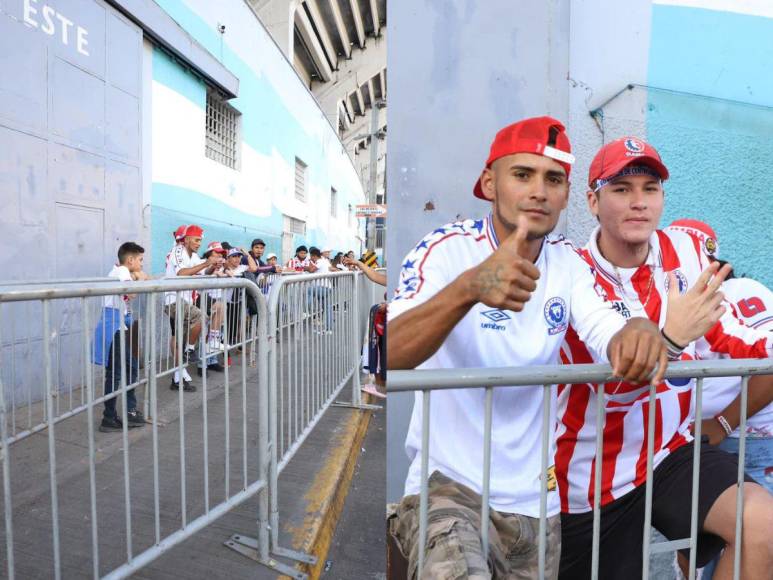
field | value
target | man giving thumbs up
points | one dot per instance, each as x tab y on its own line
492	292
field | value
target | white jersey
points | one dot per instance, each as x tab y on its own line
753	304
228	293
490	337
122	274
177	260
635	292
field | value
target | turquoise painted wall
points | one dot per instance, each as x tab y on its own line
714	126
268	127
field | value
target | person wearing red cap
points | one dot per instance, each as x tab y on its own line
179	236
753	304
184	261
497	292
662	276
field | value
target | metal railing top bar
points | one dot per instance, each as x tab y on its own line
4	283
457	378
56	290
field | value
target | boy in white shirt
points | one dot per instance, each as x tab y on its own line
107	341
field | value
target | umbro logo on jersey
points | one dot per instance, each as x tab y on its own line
494	316
555	315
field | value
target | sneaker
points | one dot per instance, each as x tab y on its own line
110	424
371	389
186	376
187	387
135	418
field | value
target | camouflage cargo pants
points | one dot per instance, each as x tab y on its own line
453	547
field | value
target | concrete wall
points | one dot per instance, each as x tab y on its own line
482	65
703	100
279	121
715	132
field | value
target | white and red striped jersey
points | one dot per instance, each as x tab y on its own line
753	303
298	265
490	337
638	291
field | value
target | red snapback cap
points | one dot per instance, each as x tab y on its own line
617	154
539	135
179	233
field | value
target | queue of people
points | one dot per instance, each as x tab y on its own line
188	312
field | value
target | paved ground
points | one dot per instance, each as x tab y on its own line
358	549
201	556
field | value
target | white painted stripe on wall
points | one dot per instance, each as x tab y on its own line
262	182
762	8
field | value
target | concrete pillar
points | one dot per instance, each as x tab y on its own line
278	16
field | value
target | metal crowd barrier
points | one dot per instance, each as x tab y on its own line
174	482
153	522
426	381
314	354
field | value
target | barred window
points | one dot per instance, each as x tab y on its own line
333	202
300	180
222	131
297	227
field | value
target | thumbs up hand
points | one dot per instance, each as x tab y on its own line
507	278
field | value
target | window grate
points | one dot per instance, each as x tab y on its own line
297	227
222	131
300	180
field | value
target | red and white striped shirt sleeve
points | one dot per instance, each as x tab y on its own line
591	315
729	336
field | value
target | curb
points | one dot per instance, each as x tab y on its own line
329	491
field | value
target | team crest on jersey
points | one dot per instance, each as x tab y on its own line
600	291
634	145
495	316
555	315
681	279
710	246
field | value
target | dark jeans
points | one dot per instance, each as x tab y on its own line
113	375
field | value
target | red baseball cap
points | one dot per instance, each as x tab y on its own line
216	247
539	135
701	230
617	154
179	233
193	230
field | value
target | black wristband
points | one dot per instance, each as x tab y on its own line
672	342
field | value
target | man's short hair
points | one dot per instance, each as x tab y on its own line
129	249
301	249
314	251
